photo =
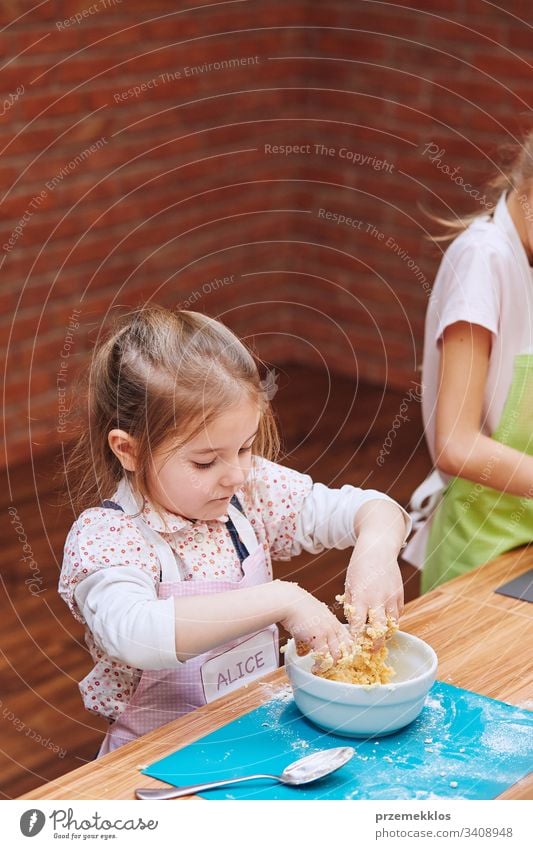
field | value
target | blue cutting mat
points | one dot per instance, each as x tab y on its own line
462	746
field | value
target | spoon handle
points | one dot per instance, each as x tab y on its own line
175	792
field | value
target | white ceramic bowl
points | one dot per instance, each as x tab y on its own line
354	710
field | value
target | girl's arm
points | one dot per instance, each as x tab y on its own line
204	622
129	623
374	588
461	449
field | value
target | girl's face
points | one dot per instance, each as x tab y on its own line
197	480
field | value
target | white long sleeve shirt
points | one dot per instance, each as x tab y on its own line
110	572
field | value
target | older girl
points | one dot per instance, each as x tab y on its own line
478	388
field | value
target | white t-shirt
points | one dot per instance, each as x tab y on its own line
484	279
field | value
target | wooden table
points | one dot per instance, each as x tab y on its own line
483	641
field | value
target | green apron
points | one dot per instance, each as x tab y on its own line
474	523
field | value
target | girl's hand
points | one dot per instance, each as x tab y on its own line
373	591
374	587
313	626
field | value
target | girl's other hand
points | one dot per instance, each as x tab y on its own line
313	626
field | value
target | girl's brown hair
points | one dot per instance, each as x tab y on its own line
516	174
161	375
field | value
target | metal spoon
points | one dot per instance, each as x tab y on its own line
303	771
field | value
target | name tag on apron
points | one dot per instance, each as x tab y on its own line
246	661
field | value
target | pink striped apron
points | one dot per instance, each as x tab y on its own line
166	694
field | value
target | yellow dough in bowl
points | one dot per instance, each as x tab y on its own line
359	664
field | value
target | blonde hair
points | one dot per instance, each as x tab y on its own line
160	375
516	173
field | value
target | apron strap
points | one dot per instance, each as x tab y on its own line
239	546
112	505
425	498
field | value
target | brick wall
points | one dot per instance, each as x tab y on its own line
131	171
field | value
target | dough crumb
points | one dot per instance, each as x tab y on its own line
358	664
453	783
